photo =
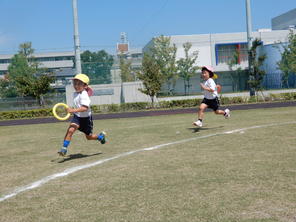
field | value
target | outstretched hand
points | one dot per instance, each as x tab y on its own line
70	110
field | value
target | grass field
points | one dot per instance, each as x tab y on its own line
241	169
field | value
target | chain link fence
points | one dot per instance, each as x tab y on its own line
231	82
28	103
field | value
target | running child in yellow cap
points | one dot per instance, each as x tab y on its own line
82	118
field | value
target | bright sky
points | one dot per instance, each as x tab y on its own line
48	24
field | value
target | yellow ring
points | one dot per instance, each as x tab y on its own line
55	113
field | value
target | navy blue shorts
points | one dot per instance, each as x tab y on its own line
212	103
85	124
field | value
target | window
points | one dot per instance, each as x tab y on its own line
225	52
5	61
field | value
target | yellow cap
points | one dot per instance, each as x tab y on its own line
215	76
82	77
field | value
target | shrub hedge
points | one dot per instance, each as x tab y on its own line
21	114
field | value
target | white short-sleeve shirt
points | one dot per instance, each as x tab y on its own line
82	99
212	85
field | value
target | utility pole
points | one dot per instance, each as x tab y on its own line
76	38
249	38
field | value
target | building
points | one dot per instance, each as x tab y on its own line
134	56
60	63
284	21
123	50
217	50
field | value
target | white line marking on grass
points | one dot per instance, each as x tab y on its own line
71	170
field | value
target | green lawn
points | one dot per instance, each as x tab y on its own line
246	175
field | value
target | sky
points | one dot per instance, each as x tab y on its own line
48	24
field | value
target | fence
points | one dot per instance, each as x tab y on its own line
276	81
128	92
27	103
232	82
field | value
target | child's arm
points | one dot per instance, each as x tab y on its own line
80	109
206	88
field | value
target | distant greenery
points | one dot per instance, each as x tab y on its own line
127	107
256	61
97	65
25	77
162	57
235	70
288	62
151	77
185	66
165	55
126	71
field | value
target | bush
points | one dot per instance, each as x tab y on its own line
237	100
179	103
113	108
145	105
21	114
134	106
225	100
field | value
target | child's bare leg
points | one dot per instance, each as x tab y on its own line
67	139
71	130
201	111
100	137
220	112
200	114
91	137
225	112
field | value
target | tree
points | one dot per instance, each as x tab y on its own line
7	89
26	49
165	55
151	77
288	62
26	76
235	70
97	65
126	71
256	62
20	72
186	68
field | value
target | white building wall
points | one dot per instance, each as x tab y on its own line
132	94
205	44
112	93
273	75
273	56
45	64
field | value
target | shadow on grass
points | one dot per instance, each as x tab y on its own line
73	157
197	129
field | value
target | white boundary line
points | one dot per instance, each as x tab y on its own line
71	170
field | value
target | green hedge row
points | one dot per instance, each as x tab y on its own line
25	114
145	105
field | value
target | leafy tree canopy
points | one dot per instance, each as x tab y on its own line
186	68
126	71
165	55
97	65
26	77
151	77
255	72
288	62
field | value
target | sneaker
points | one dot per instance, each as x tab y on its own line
227	113
102	137
63	151
197	123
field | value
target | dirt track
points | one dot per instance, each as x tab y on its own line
148	113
